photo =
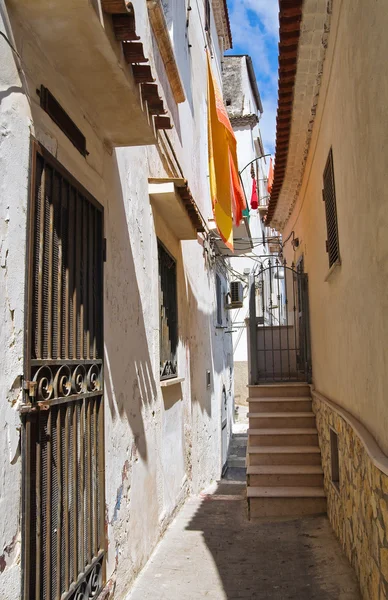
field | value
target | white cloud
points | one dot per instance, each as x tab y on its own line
268	13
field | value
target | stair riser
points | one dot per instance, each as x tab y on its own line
277	391
276	422
285	459
279	406
237	462
286	480
284	440
285	507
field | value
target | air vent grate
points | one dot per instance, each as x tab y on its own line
52	107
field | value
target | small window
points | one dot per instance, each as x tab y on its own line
219	300
334	455
208	379
168	314
208	22
332	244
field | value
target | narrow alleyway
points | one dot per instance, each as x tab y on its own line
212	551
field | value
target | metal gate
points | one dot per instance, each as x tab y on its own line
63	430
279	335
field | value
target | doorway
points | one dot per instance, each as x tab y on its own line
63	421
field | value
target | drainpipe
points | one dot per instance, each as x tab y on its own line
253	367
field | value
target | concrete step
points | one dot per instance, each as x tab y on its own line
282	405
285	475
283	437
284	455
279	390
285	501
273	420
237	462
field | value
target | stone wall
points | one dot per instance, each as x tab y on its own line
358	511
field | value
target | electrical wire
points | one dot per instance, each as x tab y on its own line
10	45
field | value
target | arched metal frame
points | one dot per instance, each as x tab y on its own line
279	333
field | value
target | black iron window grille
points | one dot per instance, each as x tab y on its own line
219	300
168	314
329	197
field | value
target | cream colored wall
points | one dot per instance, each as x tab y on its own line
348	308
160	444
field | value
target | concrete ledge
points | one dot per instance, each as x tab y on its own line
172	381
377	456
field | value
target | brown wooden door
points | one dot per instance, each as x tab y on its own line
63	432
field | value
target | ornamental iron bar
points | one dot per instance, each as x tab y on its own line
279	335
63	429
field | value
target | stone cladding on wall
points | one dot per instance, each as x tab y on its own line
358	510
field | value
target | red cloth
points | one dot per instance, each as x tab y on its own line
238	201
270	176
254	198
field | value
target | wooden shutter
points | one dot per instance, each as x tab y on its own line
332	243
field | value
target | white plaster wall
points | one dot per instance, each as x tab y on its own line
246	152
159	445
14	158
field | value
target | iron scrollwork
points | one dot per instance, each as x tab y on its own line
90	587
53	382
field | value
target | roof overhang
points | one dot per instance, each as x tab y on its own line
174	203
102	60
304	35
163	39
221	17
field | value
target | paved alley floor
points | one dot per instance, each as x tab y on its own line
211	551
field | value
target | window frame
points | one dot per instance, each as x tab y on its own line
334	459
174	326
331	213
219	307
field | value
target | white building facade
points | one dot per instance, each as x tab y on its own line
244	106
116	383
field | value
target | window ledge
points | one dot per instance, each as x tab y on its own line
172	381
332	269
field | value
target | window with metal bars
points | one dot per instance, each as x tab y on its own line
168	313
334	458
63	430
329	198
219	299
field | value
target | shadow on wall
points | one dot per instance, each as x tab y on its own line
294	559
129	378
205	353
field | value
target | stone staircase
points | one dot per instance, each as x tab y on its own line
284	473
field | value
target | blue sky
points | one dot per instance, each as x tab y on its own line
255	31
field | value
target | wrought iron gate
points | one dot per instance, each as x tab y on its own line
63	431
279	324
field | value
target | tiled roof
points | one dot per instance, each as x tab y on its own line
221	17
228	24
290	17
